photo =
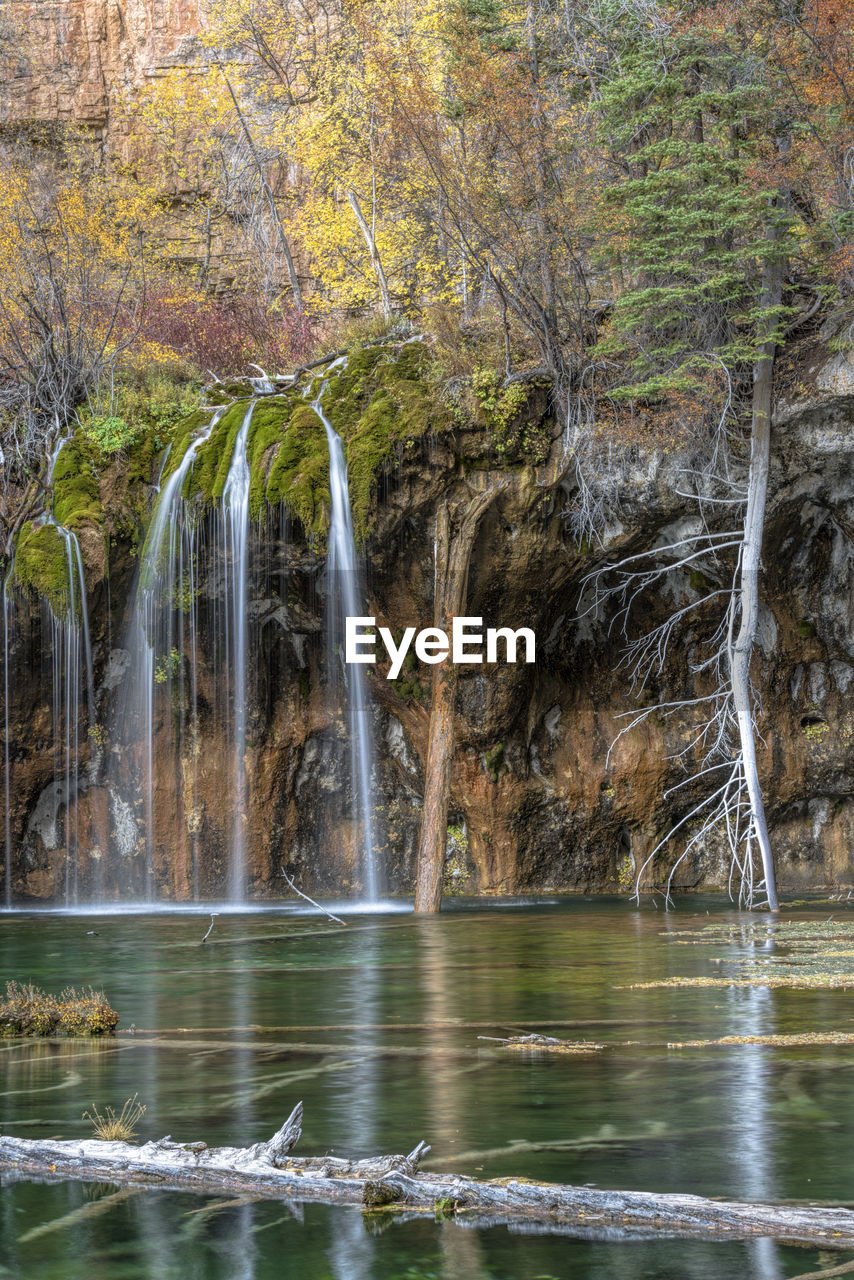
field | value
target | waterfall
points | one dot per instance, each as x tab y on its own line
164	671
346	601
73	640
71	678
71	649
235	529
7	622
164	612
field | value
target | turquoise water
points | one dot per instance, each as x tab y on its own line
379	1028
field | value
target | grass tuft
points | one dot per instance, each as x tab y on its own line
111	1127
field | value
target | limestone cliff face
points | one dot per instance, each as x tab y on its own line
543	804
72	62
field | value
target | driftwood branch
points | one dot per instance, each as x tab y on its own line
290	882
267	1170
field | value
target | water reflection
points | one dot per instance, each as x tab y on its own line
352	1252
375	1026
752	1013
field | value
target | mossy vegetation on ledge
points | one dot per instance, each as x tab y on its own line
267	432
383	401
75	485
299	475
41	555
210	467
41	564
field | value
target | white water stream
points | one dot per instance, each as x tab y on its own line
345	596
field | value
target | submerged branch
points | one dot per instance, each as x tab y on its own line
291	884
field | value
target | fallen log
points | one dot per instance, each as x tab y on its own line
267	1170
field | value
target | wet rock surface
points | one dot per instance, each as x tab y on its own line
542	796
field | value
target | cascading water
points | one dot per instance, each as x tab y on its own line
71	648
7	762
72	676
163	699
189	662
345	598
165	611
235	529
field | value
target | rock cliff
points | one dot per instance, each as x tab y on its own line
538	803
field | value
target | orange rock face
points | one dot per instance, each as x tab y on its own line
73	62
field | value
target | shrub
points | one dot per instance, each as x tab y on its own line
29	1011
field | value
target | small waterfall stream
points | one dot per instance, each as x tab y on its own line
7	763
345	598
164	611
182	546
73	680
235	529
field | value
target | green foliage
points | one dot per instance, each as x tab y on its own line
380	403
109	434
185	592
688	224
29	1011
503	410
626	873
167	666
149	404
456	877
494	761
408	686
444	1208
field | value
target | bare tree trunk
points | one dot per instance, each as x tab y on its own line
268	1170
453	556
376	263
742	648
271	199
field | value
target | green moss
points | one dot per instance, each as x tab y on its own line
408	686
504	411
299	476
266	433
210	468
41	564
381	403
806	629
75	485
494	761
181	438
215	397
700	583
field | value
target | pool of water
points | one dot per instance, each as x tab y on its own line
386	1029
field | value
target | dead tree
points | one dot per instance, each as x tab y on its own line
269	1170
453	556
723	747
